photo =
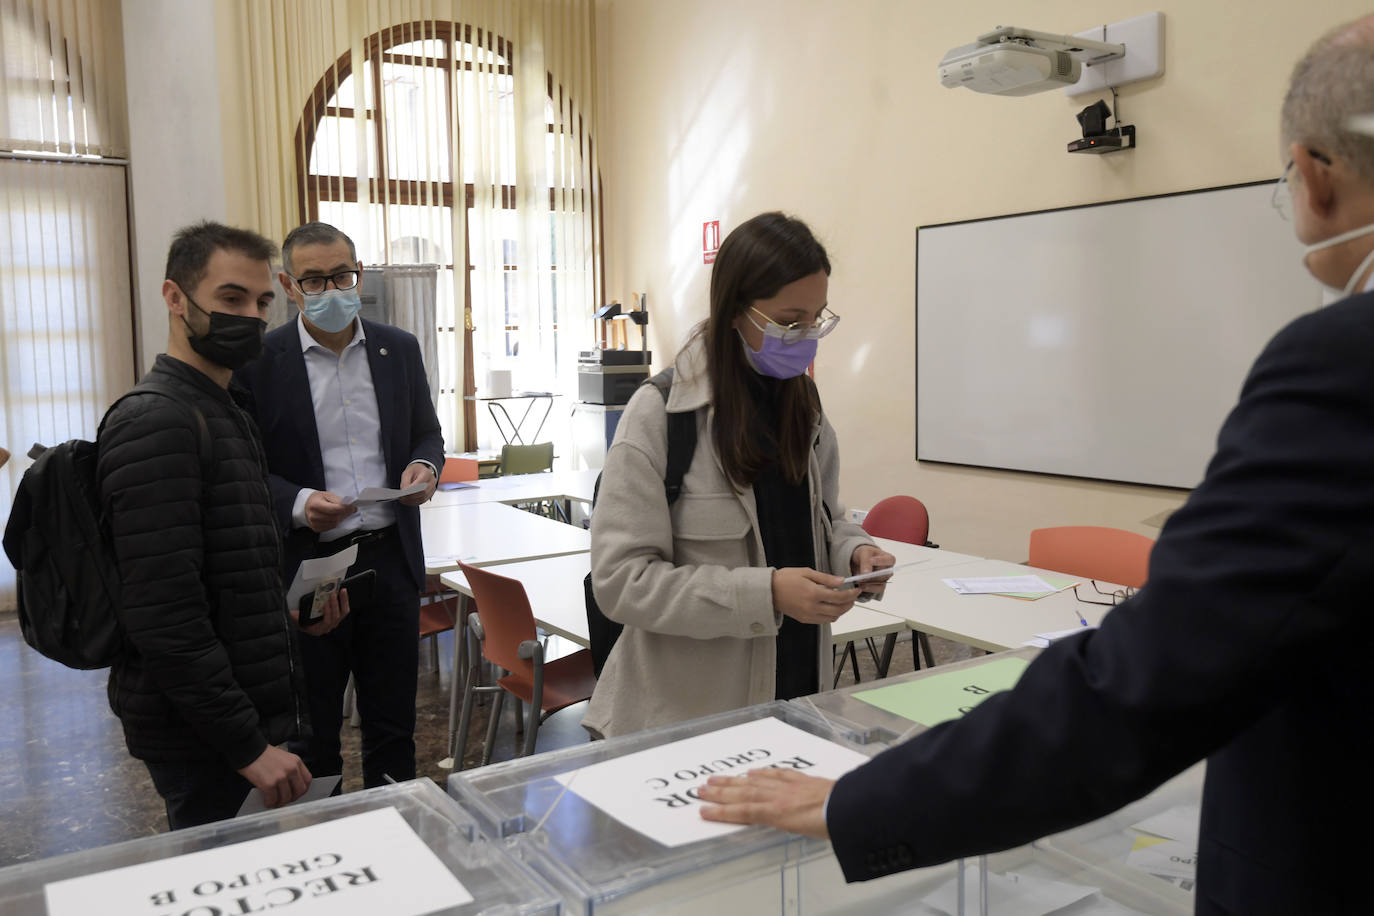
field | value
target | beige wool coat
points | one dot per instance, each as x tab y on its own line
689	582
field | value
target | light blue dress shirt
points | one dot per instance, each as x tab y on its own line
350	431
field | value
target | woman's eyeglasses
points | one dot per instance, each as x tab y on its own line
796	332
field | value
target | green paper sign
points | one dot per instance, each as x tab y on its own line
941	697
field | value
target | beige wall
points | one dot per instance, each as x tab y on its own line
719	109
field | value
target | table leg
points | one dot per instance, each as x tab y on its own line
458	676
889	643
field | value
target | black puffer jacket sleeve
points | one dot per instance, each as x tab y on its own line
152	492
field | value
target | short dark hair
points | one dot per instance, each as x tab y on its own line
757	259
313	234
193	246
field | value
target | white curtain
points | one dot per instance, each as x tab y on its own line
63	65
66	322
66	302
409	290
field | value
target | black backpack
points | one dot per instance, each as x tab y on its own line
682	443
59	543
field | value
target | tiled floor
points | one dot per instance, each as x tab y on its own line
67	782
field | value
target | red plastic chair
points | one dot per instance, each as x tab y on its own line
905	519
900	518
1108	554
504	626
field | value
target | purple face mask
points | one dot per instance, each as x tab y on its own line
778	359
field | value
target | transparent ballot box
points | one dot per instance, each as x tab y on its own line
844	710
401	849
568	814
1140	859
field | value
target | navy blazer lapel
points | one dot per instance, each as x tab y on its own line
298	404
383	362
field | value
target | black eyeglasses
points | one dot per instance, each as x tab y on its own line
313	286
1116	596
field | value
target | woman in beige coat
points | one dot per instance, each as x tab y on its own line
728	595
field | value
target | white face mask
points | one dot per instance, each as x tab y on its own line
1333	294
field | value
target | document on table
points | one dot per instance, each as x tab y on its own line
370	496
1043	640
320	787
654	791
1010	892
938	698
1030	587
319	571
354	866
1167	845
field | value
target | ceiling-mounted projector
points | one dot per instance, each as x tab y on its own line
1008	69
1015	61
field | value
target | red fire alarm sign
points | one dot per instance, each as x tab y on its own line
710	241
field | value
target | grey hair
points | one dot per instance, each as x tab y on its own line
313	234
1332	83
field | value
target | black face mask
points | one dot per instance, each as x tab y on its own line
231	341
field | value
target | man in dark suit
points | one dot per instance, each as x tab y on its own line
1249	645
343	404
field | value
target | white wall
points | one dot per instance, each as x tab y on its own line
832	110
176	163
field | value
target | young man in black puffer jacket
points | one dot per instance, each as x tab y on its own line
208	683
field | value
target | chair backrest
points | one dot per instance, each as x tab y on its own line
1108	554
507	620
901	518
527	459
457	470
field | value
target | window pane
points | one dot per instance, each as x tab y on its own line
428	47
335	151
416	102
344	98
473	54
487	100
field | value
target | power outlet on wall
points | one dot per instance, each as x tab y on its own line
857	516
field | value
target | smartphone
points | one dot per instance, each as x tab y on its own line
359	587
852	581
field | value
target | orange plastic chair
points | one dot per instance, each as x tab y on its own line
1108	554
504	626
901	518
458	470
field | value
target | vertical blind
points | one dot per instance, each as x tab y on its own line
66	309
451	133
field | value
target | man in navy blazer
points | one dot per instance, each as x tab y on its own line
1250	644
343	404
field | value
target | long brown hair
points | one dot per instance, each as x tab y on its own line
757	259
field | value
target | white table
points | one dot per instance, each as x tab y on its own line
521	488
992	622
927	557
485	533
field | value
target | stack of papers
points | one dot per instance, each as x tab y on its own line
1027	587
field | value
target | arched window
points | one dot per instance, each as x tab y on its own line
420	154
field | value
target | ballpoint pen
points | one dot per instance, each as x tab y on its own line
1081	619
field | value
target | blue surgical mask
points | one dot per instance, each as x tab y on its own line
333	310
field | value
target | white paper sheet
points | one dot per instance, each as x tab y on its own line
994	585
355	866
370	496
1180	823
1159	856
1043	640
321	569
1011	892
320	787
654	791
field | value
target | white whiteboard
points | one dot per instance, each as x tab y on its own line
1106	341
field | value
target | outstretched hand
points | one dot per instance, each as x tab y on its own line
784	799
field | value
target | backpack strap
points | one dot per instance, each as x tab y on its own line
682	438
204	445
